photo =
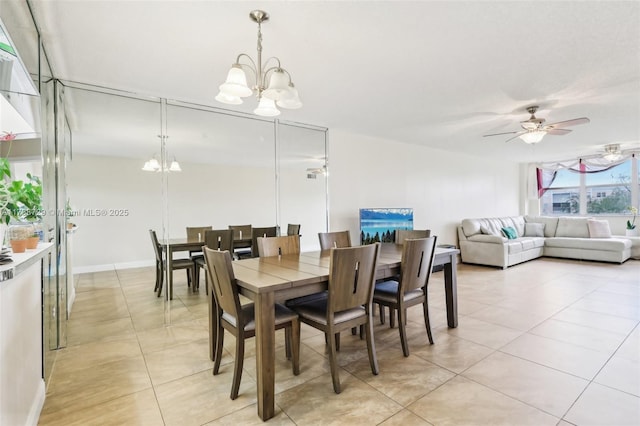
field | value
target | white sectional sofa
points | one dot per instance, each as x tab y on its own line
482	240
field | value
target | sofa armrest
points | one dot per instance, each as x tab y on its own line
483	238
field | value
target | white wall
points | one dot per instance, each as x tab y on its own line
443	188
96	183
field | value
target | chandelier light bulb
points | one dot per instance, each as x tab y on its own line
278	86
266	108
236	83
292	102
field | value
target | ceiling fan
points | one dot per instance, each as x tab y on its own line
534	128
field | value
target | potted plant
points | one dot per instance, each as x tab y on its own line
22	202
631	224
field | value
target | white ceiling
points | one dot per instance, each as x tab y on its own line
440	74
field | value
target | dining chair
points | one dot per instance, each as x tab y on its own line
269	231
241	240
404	234
411	289
239	320
196	233
218	239
275	246
330	240
352	273
161	264
293	229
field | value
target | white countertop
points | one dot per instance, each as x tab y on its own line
21	261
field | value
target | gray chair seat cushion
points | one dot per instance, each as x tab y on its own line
283	315
317	311
387	291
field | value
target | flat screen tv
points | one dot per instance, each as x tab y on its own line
380	224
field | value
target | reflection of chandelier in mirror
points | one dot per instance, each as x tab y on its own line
154	165
280	92
612	152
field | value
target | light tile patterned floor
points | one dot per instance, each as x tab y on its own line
547	342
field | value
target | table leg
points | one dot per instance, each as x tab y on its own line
451	290
265	354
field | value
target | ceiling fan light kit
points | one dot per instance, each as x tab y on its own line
612	152
534	128
280	91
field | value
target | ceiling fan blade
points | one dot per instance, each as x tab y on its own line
567	123
558	132
505	133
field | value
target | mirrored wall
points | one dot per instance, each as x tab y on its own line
234	169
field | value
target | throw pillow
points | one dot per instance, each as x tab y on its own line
510	233
599	228
534	229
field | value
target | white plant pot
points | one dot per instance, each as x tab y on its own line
633	232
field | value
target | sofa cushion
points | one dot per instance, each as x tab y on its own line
534	229
605	244
509	232
482	238
599	228
574	227
550	224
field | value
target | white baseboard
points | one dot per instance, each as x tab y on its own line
113	266
36	405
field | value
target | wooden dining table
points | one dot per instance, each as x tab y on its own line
175	245
268	280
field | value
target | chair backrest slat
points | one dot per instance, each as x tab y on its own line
274	246
219	239
220	273
157	249
404	234
269	231
329	240
352	273
293	229
196	233
417	261
240	231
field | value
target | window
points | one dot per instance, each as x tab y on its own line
563	195
610	191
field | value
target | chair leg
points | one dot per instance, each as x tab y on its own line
161	280
333	362
381	309
237	371
189	277
392	317
402	322
196	277
354	331
213	326
371	345
295	346
287	342
337	339
157	277
427	323
219	344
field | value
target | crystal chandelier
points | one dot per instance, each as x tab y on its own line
280	91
